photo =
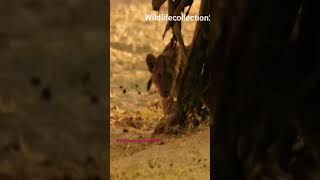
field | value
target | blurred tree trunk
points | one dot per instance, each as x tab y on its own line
247	39
252	88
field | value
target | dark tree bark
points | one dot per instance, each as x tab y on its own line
262	84
254	90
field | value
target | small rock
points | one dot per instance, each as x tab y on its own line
161	143
35	81
46	94
86	77
15	146
94	99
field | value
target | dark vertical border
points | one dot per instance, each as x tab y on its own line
107	118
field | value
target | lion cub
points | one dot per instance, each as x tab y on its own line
166	74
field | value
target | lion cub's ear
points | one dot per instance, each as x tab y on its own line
151	61
149	84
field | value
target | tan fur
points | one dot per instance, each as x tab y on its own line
166	74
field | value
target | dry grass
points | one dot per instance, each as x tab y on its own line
135	112
131	39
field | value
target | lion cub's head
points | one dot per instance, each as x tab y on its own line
164	70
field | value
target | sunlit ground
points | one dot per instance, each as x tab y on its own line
135	112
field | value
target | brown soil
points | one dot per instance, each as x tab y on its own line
52	92
135	112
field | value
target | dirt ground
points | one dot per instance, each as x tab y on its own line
53	90
52	127
135	112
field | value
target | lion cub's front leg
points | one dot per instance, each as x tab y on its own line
170	119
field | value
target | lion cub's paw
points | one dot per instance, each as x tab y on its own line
168	125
